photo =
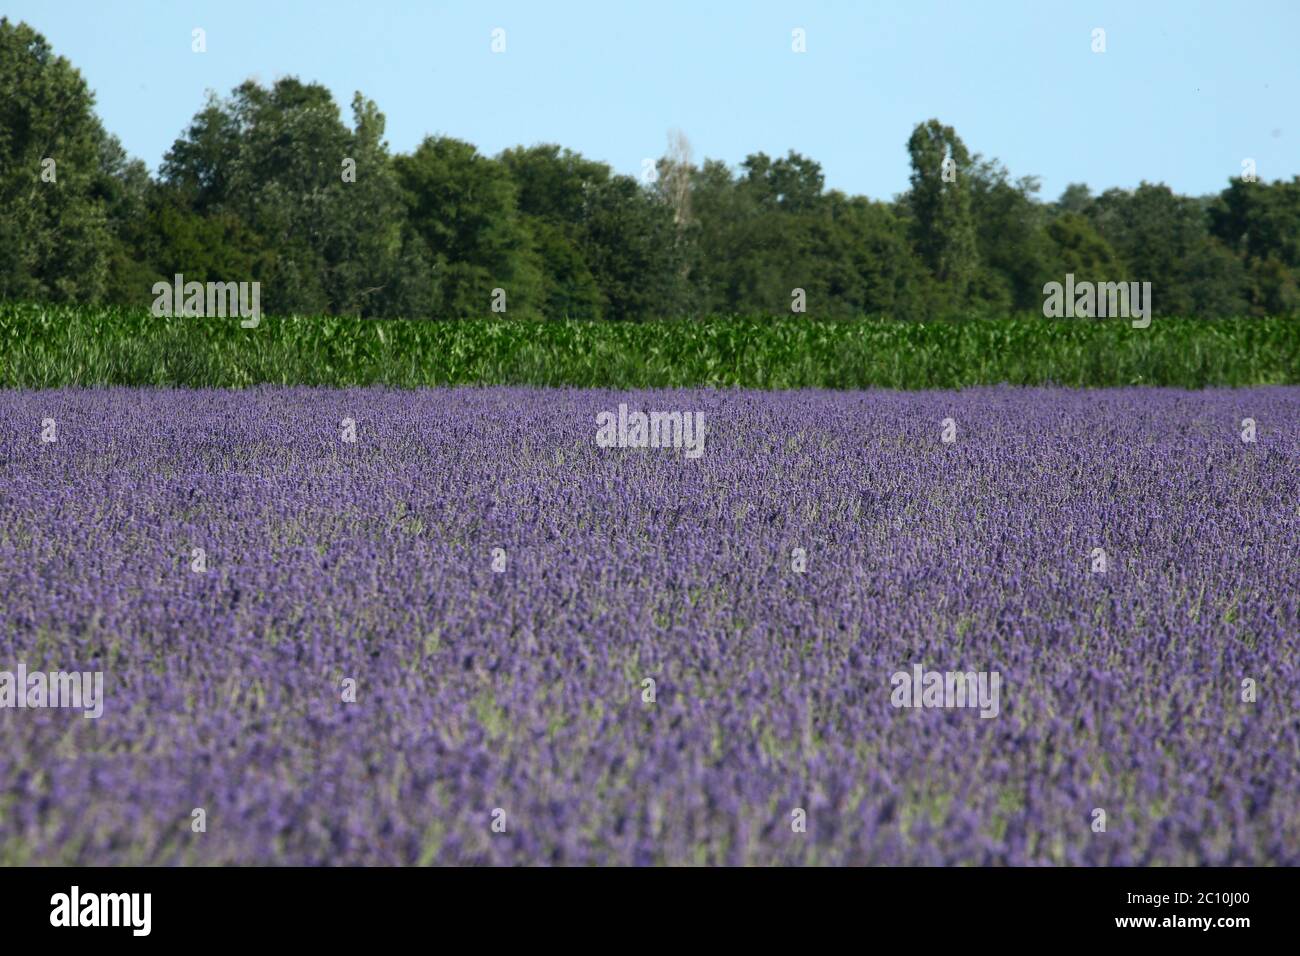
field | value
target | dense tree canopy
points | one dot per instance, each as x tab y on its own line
272	185
61	176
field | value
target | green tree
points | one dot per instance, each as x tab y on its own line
56	170
463	206
792	185
612	247
1164	239
552	196
1075	248
1261	223
1009	236
863	262
1076	197
322	199
630	243
940	204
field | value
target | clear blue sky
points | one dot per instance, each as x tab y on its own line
1185	90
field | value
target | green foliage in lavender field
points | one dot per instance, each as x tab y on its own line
51	346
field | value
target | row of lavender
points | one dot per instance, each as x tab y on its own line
453	626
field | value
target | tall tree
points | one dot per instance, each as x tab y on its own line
940	203
56	171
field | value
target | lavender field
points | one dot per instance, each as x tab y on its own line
435	644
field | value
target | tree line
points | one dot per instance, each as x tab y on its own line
271	184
